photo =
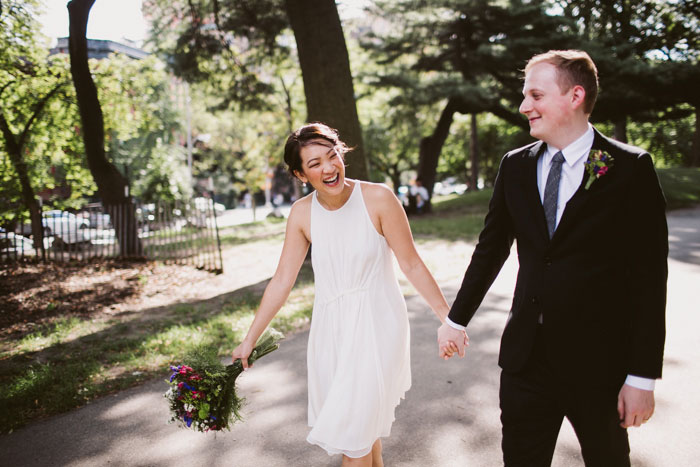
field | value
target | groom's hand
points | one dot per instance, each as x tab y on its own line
634	406
451	340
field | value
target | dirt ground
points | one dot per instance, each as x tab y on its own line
32	295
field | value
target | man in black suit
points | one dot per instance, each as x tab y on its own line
585	335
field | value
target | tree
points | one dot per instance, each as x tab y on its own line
142	108
390	138
231	44
29	84
328	86
475	48
112	187
638	47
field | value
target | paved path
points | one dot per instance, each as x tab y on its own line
449	417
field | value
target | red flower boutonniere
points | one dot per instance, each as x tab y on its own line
597	165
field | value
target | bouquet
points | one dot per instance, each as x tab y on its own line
202	392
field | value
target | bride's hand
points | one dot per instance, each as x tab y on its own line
243	352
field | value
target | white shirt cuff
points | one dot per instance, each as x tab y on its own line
458	327
640	383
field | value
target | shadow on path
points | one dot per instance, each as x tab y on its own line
450	417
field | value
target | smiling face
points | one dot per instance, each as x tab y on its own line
555	115
322	167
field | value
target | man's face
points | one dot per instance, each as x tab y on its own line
548	110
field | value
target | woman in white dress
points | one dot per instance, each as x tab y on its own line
358	351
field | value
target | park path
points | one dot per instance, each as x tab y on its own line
449	417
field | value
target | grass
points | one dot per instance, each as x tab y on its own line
269	228
681	186
72	361
454	217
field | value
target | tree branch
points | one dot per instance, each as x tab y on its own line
37	112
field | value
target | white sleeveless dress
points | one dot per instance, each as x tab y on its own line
358	354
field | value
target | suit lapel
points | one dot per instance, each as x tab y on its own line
533	192
581	196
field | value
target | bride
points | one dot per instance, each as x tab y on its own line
358	352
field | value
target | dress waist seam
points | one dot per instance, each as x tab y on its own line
343	294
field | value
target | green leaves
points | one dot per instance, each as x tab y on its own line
204	410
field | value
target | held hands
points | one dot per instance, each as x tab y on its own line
243	351
451	340
634	406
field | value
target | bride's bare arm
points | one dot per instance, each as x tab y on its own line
296	244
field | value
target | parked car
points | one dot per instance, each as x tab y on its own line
448	186
202	204
66	226
56	220
98	219
12	243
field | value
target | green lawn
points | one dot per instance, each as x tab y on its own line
454	217
66	364
681	186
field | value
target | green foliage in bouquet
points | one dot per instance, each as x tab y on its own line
202	392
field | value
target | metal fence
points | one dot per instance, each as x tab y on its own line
180	232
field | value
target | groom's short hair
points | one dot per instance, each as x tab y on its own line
574	67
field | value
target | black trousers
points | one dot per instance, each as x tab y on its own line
534	402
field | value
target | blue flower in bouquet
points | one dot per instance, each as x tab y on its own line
202	392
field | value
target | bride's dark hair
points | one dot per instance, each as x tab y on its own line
313	133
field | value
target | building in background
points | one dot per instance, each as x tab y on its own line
99	49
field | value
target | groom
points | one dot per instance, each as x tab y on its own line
585	335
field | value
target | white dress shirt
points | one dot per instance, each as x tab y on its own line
575	156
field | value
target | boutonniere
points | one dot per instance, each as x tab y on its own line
597	165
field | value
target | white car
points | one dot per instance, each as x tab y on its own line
66	226
202	204
448	186
12	243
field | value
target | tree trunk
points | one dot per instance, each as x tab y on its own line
621	130
474	150
112	187
395	176
15	145
695	148
325	67
431	146
14	150
289	109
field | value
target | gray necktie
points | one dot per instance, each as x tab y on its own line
551	192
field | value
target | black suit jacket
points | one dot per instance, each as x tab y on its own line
599	283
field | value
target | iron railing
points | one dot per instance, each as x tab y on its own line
183	232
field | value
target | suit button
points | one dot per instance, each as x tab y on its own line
547	261
535	300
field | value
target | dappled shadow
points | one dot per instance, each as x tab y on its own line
121	336
449	417
157	320
83	303
32	294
